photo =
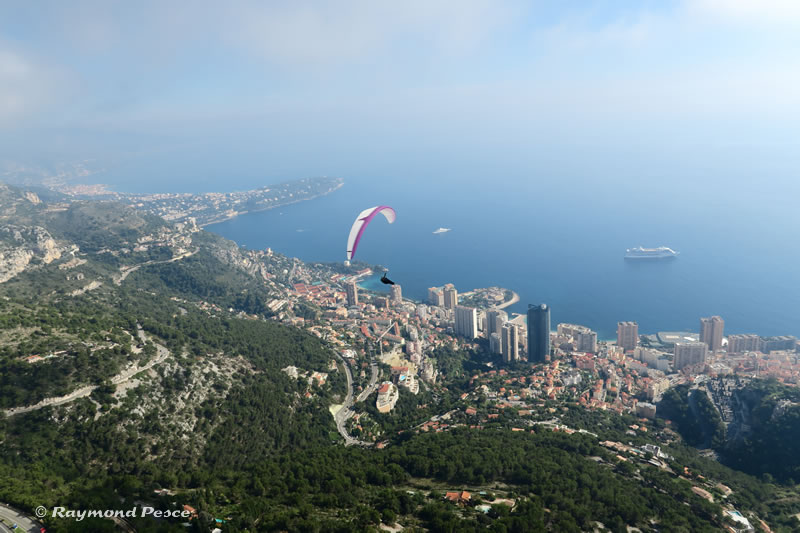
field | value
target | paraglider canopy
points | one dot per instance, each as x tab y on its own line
361	223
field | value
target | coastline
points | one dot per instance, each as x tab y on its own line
235	214
514	299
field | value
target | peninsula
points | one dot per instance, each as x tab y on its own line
214	207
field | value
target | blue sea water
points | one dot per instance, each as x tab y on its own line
560	238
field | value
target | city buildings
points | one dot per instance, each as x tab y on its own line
646	410
495	343
652	358
771	344
352	293
743	343
466	322
711	332
538	333
583	338
627	335
571	330
510	343
754	343
397	294
436	297
495	318
586	342
450	296
689	353
656	388
387	397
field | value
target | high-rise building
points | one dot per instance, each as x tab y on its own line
436	297
466	322
495	343
771	344
586	342
397	294
711	332
627	335
352	293
450	296
743	343
495	318
422	311
510	343
689	353
538	333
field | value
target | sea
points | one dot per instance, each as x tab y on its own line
556	233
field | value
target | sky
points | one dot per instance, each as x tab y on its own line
315	85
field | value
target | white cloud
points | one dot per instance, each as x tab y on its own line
20	84
341	32
777	12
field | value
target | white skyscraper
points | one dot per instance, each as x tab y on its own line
466	322
510	343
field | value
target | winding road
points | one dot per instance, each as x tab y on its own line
126	271
344	413
161	354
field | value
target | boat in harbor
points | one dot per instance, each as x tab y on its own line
662	252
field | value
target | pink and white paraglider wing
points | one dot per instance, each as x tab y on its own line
361	223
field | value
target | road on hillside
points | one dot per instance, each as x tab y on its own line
161	354
344	413
373	383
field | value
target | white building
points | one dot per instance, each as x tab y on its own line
397	294
510	343
652	358
387	397
466	324
689	353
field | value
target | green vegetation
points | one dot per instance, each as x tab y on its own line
771	447
695	416
223	428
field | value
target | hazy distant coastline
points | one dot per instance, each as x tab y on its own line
214	207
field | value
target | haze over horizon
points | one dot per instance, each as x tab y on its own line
175	362
258	92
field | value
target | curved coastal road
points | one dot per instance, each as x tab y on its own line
514	299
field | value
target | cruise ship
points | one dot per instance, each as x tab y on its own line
661	252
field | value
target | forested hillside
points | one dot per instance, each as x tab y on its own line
143	364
